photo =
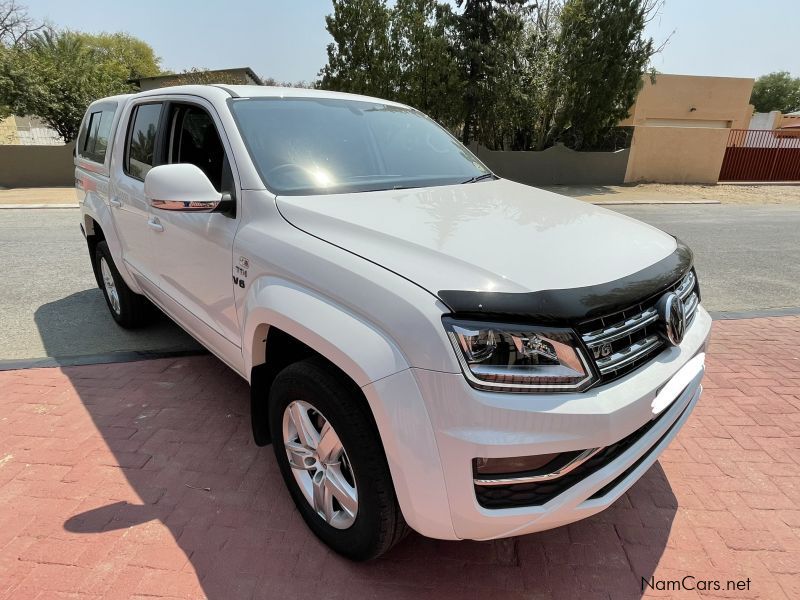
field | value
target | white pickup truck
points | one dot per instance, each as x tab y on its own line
427	345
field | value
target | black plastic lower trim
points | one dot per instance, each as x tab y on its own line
536	494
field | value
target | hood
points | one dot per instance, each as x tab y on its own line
493	236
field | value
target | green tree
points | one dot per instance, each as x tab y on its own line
56	75
425	68
125	56
359	59
16	27
776	91
540	81
485	30
603	54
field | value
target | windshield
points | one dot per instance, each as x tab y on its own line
322	146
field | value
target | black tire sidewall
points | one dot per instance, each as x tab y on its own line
129	314
303	381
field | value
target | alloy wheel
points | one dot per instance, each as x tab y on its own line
319	464
109	286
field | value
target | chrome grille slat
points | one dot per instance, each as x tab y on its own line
690	307
629	334
630	354
620	330
686	286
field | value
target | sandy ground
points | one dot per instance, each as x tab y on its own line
667	193
29	196
644	193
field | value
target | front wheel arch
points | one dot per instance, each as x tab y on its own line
283	350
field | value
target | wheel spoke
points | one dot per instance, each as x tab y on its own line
298	454
330	446
323	499
305	429
341	490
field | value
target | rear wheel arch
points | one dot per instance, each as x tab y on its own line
94	235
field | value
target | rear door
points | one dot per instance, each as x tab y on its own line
135	153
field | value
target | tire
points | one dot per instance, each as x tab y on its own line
329	399
128	309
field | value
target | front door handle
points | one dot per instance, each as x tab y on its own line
114	202
155	224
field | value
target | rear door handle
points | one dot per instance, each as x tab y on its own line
114	202
155	224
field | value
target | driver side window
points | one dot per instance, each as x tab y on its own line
193	139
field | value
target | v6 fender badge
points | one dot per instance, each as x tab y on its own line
240	272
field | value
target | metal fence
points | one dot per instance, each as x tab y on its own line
761	155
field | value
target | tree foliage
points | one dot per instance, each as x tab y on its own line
425	69
487	33
603	54
360	58
124	56
56	75
518	74
776	91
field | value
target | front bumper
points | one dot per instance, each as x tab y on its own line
467	424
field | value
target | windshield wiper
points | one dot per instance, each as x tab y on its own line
480	178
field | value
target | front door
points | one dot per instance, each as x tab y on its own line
193	251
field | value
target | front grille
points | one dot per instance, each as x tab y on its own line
623	341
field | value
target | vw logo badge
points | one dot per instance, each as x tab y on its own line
672	313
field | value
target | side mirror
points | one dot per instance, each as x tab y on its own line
183	187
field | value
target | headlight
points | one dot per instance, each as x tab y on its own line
519	358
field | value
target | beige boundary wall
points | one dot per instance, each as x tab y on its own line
681	126
36	166
676	154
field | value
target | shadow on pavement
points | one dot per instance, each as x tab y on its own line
80	324
583	190
179	432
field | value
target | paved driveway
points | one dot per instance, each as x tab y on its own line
141	480
748	259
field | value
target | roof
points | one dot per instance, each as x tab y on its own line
246	70
263	91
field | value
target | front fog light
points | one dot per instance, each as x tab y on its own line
517	358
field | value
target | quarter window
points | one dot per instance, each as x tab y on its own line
93	141
140	151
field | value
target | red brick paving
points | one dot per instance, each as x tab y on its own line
104	470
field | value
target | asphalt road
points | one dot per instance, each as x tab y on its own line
748	259
49	301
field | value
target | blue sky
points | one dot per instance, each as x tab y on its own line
286	39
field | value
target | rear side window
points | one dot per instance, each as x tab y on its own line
93	139
140	147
